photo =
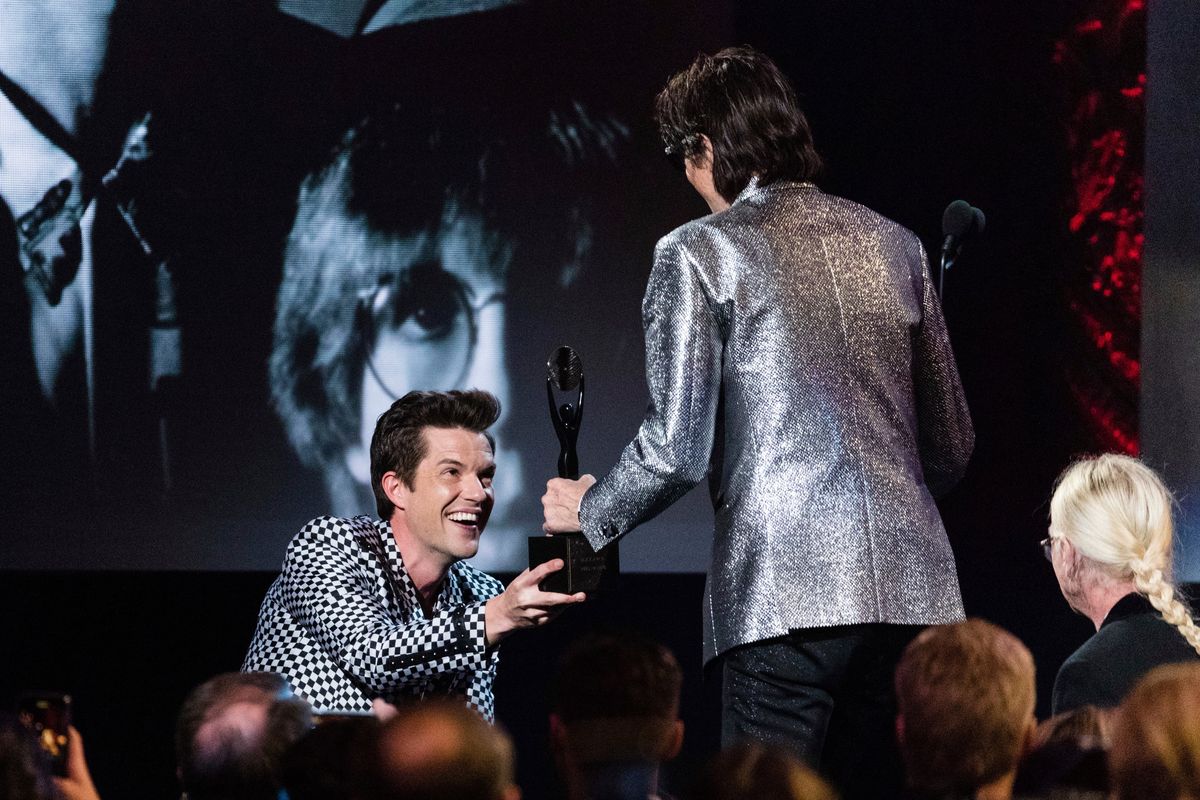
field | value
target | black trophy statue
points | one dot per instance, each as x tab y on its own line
564	371
585	570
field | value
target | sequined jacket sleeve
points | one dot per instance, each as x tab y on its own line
670	453
945	436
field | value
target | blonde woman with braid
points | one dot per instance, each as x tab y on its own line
1111	543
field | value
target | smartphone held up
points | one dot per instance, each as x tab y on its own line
48	715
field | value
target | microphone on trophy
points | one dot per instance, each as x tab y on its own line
584	569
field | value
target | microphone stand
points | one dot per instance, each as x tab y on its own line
949	256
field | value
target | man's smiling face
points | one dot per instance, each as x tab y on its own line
451	498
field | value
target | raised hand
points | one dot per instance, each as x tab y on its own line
560	503
78	783
524	605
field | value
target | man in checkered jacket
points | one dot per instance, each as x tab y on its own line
385	608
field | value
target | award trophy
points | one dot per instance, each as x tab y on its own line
584	569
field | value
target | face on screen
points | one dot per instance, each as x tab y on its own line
439	323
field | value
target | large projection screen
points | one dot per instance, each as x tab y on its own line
233	232
1170	411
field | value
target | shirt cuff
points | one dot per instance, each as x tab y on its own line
597	534
475	621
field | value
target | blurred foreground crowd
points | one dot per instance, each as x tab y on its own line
965	729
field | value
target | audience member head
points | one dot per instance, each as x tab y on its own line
616	698
441	750
741	103
232	733
754	771
333	761
1156	737
615	712
965	694
1084	725
1110	534
1069	756
24	766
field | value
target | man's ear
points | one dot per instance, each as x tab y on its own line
395	489
706	158
675	743
1072	558
1072	552
1030	736
900	729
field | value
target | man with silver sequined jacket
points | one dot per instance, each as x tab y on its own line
797	356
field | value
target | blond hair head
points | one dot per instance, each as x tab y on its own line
1156	737
1116	512
965	694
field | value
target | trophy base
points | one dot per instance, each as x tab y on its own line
584	569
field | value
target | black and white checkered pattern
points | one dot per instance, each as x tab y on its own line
333	626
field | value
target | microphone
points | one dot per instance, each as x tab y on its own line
960	221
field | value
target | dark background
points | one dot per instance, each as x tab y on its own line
914	104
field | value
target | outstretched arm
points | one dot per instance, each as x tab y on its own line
671	451
524	605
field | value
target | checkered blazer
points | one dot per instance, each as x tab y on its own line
343	631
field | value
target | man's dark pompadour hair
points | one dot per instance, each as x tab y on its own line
740	100
398	444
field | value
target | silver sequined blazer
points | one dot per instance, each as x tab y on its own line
797	356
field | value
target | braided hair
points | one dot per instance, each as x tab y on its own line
1116	512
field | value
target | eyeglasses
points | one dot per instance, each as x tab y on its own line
427	317
1047	546
677	153
675	158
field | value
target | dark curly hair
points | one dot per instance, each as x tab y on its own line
398	444
740	100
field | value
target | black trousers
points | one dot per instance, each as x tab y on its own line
827	695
